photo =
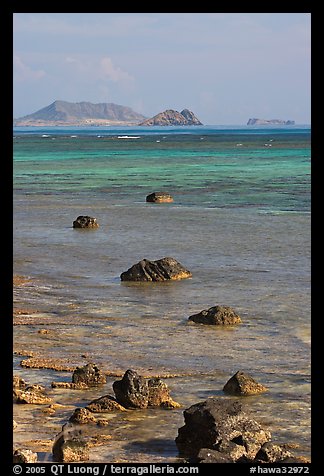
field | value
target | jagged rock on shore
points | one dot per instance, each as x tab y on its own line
134	391
216	315
160	270
243	384
219	431
223	426
159	197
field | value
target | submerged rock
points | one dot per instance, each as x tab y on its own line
217	315
223	426
134	391
84	221
159	197
243	384
163	269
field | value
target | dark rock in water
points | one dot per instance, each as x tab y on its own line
24	456
218	424
82	416
132	390
104	404
243	384
272	453
84	221
70	446
160	270
90	375
159	197
217	315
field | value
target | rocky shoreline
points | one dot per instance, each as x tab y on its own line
215	431
78	424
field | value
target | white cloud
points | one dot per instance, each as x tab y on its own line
113	73
23	72
99	69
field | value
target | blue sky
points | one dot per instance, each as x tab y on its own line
225	67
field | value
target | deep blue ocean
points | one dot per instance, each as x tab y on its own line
240	222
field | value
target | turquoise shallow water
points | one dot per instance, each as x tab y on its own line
240	222
269	170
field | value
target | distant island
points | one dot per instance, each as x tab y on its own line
63	113
264	122
81	114
173	118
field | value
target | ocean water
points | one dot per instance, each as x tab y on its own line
240	222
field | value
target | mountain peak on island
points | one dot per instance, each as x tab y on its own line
81	113
171	117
